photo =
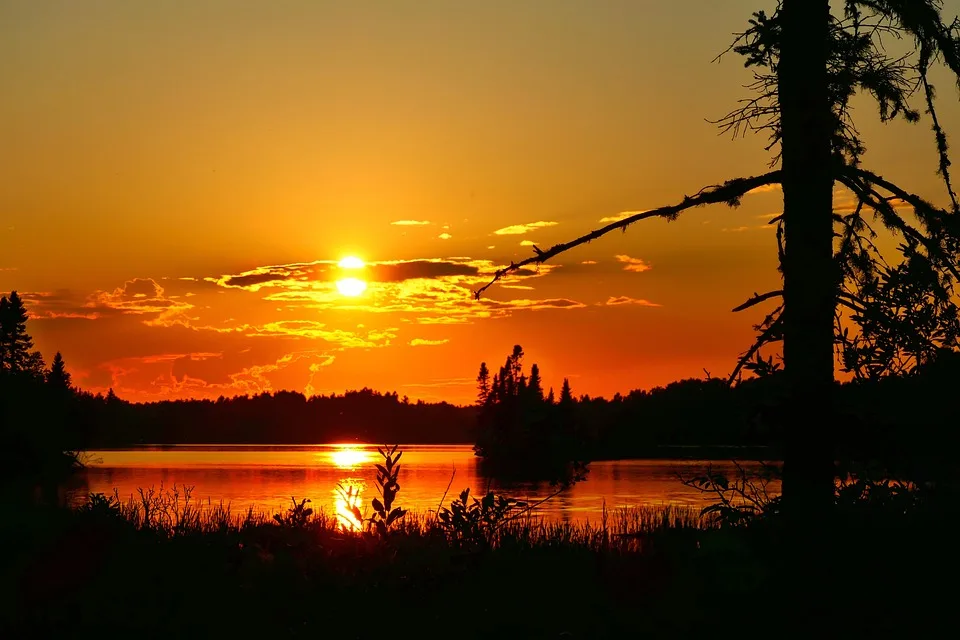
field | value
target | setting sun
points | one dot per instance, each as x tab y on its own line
351	287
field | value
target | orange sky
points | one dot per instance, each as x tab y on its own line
179	180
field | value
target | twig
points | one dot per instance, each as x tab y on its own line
729	192
445	491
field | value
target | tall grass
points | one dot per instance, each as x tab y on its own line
173	512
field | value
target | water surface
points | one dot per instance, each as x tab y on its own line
266	477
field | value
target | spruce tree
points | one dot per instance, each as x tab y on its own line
16	342
4	306
566	395
534	383
483	384
58	378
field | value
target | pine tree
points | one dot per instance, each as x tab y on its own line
16	341
58	378
566	395
4	339
534	383
483	384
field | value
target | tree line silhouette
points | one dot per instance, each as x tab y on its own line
517	427
40	412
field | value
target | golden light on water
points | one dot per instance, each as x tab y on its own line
351	287
350	457
346	499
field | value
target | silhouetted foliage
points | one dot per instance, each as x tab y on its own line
520	434
884	318
58	377
40	422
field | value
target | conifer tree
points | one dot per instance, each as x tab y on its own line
15	342
59	378
483	384
566	395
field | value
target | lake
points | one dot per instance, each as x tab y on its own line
266	477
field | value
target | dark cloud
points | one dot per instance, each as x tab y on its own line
414	269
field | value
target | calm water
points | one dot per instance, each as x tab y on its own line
265	477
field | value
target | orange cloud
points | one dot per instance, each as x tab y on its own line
423	342
520	229
618	300
633	264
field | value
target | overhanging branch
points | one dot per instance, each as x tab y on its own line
729	192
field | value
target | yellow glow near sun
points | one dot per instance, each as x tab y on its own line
348	457
351	287
351	262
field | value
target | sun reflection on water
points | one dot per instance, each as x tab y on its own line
346	501
348	457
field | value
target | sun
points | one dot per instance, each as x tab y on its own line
351	287
351	262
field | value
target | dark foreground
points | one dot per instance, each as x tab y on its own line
159	569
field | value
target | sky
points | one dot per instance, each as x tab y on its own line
180	181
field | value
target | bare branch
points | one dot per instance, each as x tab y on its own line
765	337
757	299
729	192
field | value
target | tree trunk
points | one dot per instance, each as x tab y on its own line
808	269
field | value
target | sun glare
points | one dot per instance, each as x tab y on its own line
348	457
351	262
351	287
346	500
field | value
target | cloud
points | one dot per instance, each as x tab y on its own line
444	236
623	215
550	303
589	262
314	330
410	223
633	264
766	188
441	382
423	342
618	300
443	320
520	229
140	296
527	243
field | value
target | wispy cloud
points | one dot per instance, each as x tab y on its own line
423	342
139	295
623	215
410	223
589	262
766	188
444	236
527	243
633	264
618	300
520	229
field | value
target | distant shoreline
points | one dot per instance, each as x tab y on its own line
664	452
